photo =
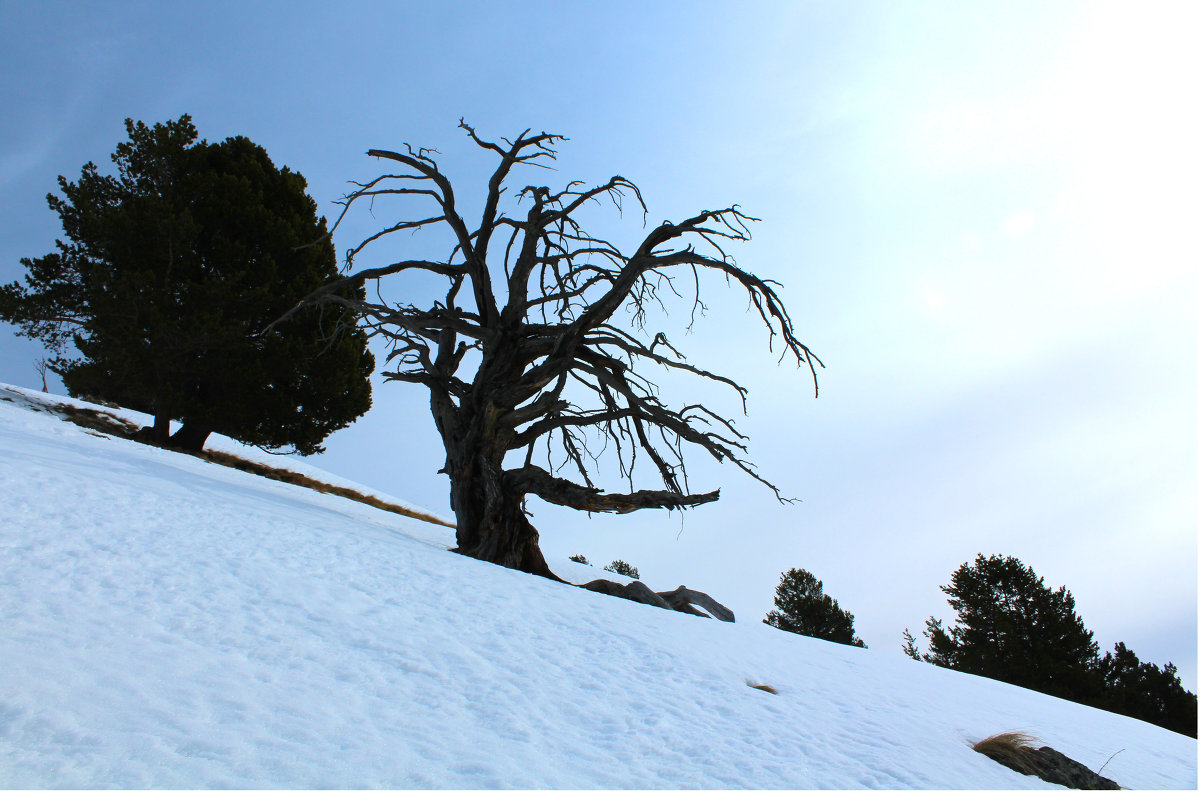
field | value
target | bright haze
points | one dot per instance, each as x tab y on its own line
983	218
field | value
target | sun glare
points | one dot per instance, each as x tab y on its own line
934	299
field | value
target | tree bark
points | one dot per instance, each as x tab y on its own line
491	521
161	433
190	437
681	598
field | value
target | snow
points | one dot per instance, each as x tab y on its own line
169	622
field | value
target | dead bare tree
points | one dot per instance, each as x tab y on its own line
533	363
41	366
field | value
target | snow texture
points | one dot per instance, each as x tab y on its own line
169	622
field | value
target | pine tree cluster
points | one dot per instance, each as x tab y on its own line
1010	626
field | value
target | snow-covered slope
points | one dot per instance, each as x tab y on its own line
168	622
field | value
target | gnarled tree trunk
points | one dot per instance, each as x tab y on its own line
492	525
490	514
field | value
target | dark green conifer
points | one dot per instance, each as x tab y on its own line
1012	627
172	270
1145	691
801	606
621	567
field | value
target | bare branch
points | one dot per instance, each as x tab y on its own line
555	371
329	291
539	482
476	266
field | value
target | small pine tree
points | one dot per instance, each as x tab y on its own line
803	607
622	568
580	558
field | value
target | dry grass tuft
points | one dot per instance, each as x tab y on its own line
98	420
762	687
1010	749
293	478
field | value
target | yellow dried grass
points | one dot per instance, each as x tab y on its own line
1009	748
109	424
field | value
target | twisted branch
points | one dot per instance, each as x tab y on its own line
563	288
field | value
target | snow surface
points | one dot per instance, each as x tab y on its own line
169	622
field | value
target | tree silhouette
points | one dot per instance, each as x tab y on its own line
1144	691
171	270
525	354
801	606
1010	626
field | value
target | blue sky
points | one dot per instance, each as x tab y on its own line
982	215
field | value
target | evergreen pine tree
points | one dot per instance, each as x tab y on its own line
1010	626
621	567
172	270
1144	691
801	606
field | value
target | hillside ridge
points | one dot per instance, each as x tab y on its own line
171	623
101	418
